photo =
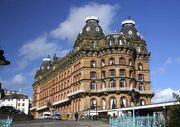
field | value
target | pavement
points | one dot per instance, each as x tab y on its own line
60	123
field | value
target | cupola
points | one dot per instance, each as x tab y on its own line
129	30
92	29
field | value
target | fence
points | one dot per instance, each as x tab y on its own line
147	121
6	122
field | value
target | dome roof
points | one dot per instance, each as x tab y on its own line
92	29
129	30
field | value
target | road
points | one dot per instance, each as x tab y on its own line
60	123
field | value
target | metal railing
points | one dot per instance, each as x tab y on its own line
6	122
145	121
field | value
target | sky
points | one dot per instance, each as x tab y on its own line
32	29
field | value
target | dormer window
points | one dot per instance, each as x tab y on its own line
120	42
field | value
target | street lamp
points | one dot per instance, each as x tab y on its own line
3	60
134	96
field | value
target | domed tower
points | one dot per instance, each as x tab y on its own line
131	33
91	36
45	67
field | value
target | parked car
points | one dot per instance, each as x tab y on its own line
57	116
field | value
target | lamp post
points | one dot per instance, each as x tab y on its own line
3	60
133	100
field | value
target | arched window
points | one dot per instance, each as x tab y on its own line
103	103
93	103
140	66
122	83
112	103
102	63
123	102
111	61
93	63
112	83
92	75
121	61
103	85
93	85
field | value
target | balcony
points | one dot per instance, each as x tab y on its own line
114	89
43	107
61	101
76	92
33	108
146	92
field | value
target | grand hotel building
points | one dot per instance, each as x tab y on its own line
99	72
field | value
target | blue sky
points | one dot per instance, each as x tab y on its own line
29	30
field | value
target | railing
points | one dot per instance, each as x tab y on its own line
76	92
6	122
61	101
146	121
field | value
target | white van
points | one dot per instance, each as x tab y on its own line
46	115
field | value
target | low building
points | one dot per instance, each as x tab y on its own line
16	99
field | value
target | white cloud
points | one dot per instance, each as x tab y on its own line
163	95
19	79
70	28
67	30
39	47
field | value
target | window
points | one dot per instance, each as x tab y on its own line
93	64
112	83
93	103
140	77
142	102
112	73
122	83
18	104
122	72
112	103
103	84
141	87
103	104
103	74
130	62
122	61
131	84
93	85
92	75
120	42
111	61
130	73
123	102
93	44
140	66
102	63
22	104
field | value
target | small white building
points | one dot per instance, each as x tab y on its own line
16	99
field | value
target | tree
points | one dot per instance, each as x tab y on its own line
174	116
